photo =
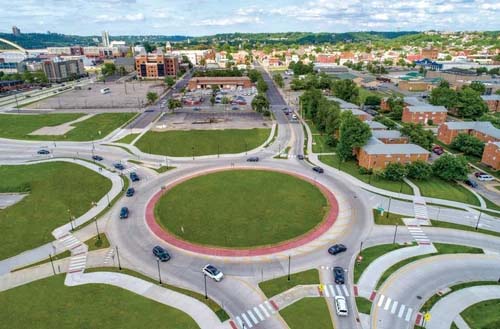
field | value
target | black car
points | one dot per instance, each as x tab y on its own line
130	192
124	213
97	158
319	170
134	177
253	159
43	152
161	253
338	275
118	166
300	157
471	183
337	249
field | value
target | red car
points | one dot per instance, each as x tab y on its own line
438	150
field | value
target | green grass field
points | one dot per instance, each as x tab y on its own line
48	303
320	145
128	139
310	313
352	168
387	218
484	315
54	188
275	286
364	305
202	142
437	188
19	126
239	208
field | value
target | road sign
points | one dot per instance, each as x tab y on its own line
427	316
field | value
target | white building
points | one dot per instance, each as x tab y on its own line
194	56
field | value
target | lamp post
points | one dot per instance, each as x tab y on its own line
52	263
389	207
205	277
97	229
192	148
289	261
395	233
70	220
118	256
478	219
159	273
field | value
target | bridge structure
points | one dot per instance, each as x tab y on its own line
10	43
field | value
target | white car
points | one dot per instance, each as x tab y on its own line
212	272
484	177
341	306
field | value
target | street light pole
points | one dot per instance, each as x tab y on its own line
478	219
389	207
395	233
289	261
97	229
159	273
70	220
52	263
118	256
205	277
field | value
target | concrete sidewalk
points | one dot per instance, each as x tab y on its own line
295	294
201	313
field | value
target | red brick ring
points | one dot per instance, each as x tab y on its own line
313	234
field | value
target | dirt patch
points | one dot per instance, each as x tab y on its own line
60	129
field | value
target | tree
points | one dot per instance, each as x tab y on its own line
418	135
262	86
174	104
346	89
395	172
278	78
478	86
260	103
470	104
372	100
449	167
151	97
254	75
469	145
419	170
149	47
169	81
212	100
299	68
385	121
108	69
353	133
444	96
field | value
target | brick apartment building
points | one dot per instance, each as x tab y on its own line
423	113
58	70
221	82
156	66
430	53
483	130
493	102
491	155
390	136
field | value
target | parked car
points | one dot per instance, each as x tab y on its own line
212	272
294	117
130	192
479	173
97	158
319	170
341	306
118	166
43	151
471	183
337	249
338	275
161	253
438	150
235	108
485	177
124	213
253	159
300	157
134	177
196	109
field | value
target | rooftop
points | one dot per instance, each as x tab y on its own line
343	104
427	108
375	124
386	134
380	148
484	127
491	97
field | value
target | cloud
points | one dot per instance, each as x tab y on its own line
227	21
114	18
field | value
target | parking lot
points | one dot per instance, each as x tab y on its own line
200	99
130	95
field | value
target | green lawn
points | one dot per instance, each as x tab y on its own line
483	315
438	188
364	305
491	205
276	286
312	126
54	188
19	126
372	253
387	218
310	313
320	145
352	168
442	249
48	303
239	208
202	142
128	139
437	223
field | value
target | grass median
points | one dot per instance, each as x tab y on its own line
441	189
16	126
276	286
483	315
309	312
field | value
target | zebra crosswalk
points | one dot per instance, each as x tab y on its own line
129	170
389	305
332	290
418	234
69	241
255	315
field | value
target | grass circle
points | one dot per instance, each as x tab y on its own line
241	208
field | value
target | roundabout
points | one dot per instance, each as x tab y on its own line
237	212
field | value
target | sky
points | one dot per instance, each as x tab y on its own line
206	17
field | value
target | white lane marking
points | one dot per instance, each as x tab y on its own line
256	310
240	323
269	307
327	291
254	319
408	314
346	292
394	307
380	300
264	310
248	322
387	304
332	291
401	311
337	290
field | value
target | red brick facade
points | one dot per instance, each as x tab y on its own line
491	155
423	117
447	135
493	105
222	82
380	161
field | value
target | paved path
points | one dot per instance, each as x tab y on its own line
449	307
9	199
203	315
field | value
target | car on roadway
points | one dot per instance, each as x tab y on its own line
97	158
161	254
118	166
341	306
124	213
471	183
212	272
336	249
294	117
317	169
253	159
196	109
149	110
438	150
235	108
43	152
300	157
485	178
130	192
134	177
338	275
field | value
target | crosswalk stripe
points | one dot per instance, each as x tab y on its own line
327	291
332	291
247	321
254	319
380	300
256	310
387	304
240	323
337	291
269	307
264	310
408	314
346	292
401	311
394	307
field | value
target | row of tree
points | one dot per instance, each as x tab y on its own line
466	102
26	77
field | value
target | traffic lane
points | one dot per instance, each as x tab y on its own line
415	283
